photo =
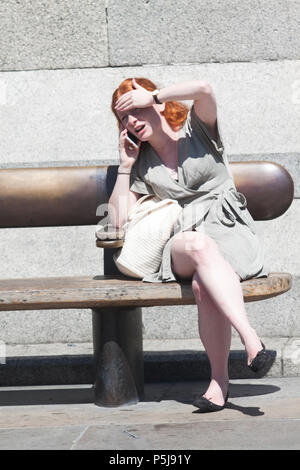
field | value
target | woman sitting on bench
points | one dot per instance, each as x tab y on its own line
180	155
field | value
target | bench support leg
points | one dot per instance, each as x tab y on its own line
118	354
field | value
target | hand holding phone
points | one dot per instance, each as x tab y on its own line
129	148
132	140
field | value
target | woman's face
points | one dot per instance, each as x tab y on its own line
142	122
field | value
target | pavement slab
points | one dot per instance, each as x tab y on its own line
260	414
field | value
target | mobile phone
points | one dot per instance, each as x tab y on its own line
132	139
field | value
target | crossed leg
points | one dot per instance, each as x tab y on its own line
219	297
215	334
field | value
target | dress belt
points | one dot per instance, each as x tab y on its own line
230	205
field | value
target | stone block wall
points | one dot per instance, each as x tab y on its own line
59	64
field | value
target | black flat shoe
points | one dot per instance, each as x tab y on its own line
261	359
206	406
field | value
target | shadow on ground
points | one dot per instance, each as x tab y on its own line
182	392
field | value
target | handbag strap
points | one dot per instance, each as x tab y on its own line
139	202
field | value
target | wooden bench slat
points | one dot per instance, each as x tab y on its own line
111	291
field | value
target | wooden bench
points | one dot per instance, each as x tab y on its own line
70	196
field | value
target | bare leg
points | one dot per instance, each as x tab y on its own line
196	252
215	334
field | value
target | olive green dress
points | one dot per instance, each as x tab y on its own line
206	191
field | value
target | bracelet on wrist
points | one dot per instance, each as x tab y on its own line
123	173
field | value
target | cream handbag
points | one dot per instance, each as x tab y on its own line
149	226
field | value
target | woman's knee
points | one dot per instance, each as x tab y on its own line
197	242
197	245
190	248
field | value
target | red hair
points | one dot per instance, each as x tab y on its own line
175	112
